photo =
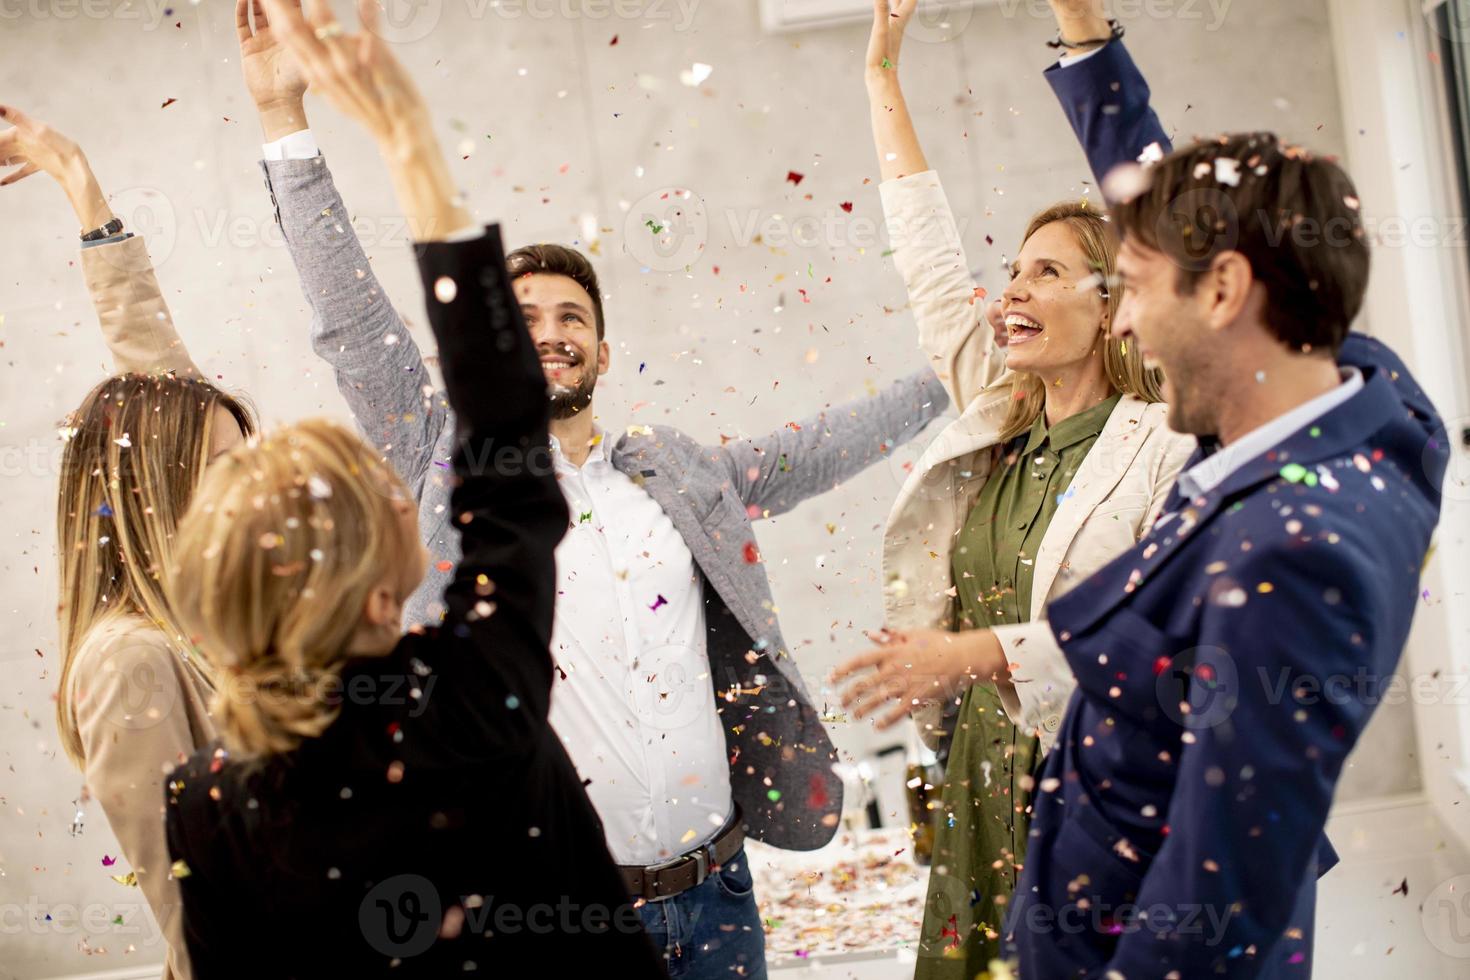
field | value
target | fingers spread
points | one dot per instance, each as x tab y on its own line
862	661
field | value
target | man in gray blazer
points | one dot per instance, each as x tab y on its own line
677	698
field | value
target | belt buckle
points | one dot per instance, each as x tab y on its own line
701	859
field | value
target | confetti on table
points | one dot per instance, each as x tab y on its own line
795	177
168	103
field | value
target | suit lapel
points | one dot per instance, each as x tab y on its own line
1104	466
1298	459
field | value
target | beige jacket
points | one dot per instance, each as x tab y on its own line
135	320
140	707
141	710
1115	496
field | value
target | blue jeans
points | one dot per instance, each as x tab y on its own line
712	931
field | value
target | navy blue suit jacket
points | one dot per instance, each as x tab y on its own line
1226	666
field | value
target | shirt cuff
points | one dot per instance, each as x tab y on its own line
109	240
300	145
1069	59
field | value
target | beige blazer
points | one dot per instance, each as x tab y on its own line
1114	498
141	708
135	320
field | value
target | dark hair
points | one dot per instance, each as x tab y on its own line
1295	217
558	260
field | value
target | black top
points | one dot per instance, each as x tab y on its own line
437	828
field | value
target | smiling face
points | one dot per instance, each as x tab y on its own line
563	325
1170	328
1054	309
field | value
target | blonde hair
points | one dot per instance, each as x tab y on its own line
1122	362
288	536
134	451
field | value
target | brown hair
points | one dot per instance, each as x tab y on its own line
1295	217
558	260
288	535
134	452
1122	362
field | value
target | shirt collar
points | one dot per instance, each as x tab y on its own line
601	449
1071	430
1212	471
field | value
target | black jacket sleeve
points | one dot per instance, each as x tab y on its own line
495	641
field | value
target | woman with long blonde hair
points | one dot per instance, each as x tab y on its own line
1061	459
131	701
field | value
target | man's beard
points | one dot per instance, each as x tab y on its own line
570	400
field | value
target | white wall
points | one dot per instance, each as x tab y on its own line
577	127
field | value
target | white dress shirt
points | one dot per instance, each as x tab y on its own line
632	700
1211	471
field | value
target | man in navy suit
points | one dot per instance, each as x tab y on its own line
1228	664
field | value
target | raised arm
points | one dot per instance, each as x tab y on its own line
802	459
952	318
1103	93
354	326
507	504
135	320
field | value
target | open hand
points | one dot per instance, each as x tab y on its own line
272	76
356	73
31	146
911	669
890	20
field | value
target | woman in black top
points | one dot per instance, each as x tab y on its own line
384	804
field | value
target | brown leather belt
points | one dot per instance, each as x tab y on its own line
688	870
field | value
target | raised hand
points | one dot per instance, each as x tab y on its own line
33	147
356	73
916	668
272	76
890	20
359	75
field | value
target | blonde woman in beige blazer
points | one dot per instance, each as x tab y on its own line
1060	461
131	703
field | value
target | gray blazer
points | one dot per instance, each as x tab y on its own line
780	755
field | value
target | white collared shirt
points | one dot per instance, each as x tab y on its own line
632	700
1211	471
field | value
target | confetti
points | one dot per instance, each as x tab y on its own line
167	103
795	177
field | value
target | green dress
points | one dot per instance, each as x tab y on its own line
985	805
